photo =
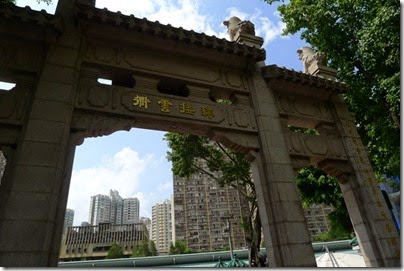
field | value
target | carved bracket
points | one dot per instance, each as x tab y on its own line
96	125
340	169
239	142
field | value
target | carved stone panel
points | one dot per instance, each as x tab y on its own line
297	107
130	102
315	147
138	59
20	56
13	104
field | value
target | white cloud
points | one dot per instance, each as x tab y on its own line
180	13
187	14
269	30
119	172
150	199
137	8
232	11
144	203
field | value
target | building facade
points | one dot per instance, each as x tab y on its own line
113	209
200	211
130	211
116	207
317	219
69	218
162	225
100	209
147	222
93	242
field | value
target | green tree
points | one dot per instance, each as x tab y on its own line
178	248
145	248
115	252
228	168
361	39
153	249
316	187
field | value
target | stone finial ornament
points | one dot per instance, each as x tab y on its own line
309	57
235	27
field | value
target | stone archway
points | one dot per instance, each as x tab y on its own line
166	78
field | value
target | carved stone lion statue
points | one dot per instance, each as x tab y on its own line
236	26
308	56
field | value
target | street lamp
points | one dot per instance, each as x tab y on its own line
228	228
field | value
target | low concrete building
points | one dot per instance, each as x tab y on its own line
93	242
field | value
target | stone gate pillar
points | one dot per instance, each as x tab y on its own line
378	237
33	205
286	234
315	102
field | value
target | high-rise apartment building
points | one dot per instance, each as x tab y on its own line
317	219
113	209
116	207
69	218
200	208
130	213
161	228
100	209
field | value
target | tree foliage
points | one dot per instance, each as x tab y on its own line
361	38
115	252
178	248
145	248
228	168
153	249
316	187
234	169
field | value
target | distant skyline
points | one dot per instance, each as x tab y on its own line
134	163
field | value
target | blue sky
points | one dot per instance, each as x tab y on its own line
134	163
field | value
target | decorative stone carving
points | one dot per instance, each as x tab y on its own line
235	27
298	107
98	96
7	104
323	146
13	103
94	125
20	57
232	79
309	57
243	143
242	118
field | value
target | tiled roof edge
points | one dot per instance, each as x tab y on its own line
273	71
28	15
168	32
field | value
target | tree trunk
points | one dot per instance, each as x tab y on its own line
255	237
